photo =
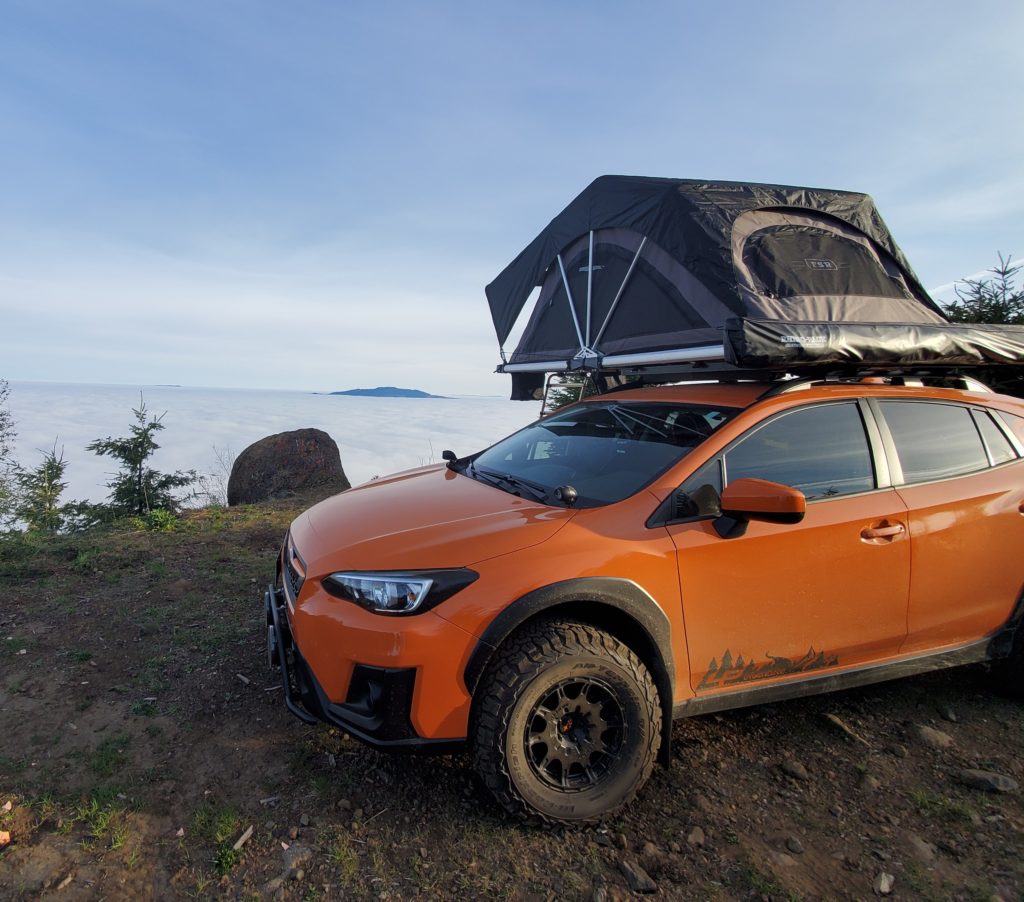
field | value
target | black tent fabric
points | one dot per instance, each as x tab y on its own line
639	268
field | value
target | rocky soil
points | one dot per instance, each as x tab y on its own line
145	753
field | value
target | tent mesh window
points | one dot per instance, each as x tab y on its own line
794	261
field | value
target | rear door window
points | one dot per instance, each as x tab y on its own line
934	441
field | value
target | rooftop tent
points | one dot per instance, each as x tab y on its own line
641	271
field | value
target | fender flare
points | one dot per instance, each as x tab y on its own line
607	602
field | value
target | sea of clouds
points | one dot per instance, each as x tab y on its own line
203	426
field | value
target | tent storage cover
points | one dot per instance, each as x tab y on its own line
653	271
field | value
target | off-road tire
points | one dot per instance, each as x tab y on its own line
570	689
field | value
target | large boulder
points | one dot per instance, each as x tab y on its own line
281	465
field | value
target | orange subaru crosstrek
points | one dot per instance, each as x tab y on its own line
556	600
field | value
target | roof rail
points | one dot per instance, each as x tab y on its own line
951	380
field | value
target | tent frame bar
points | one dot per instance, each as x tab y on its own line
649	358
622	288
572	306
590	284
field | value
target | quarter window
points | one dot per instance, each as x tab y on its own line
701	494
1015	422
999	448
934	441
822	451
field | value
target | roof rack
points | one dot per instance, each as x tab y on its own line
725	372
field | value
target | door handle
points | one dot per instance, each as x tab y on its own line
882	532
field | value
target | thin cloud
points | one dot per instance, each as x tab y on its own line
246	195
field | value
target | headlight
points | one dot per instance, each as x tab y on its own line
399	593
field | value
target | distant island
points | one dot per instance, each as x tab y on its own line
386	391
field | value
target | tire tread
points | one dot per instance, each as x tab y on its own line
523	656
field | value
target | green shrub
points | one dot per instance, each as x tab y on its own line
138	490
38	494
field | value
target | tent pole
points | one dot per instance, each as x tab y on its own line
572	306
622	287
590	284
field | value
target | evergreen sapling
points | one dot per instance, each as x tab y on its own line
138	490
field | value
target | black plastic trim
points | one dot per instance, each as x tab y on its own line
622	594
586	598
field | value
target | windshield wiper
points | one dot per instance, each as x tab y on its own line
514	484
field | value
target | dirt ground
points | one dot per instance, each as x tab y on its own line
142	735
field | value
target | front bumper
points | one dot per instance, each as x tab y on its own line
377	707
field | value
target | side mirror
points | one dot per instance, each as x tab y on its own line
448	456
758	499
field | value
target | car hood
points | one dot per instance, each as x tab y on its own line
431	517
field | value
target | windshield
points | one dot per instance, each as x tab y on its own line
606	451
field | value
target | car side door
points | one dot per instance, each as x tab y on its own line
960	472
780	601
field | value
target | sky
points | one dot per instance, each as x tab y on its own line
313	195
